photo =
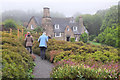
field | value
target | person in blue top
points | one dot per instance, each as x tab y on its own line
43	39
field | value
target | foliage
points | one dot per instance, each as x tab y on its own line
82	71
17	15
91	37
92	23
38	29
110	28
16	60
61	53
78	53
58	50
84	37
111	18
109	36
10	24
72	39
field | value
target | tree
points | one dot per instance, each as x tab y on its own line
111	18
10	24
109	36
109	29
20	16
92	23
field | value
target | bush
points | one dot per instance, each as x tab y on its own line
10	24
84	37
92	56
38	29
91	37
72	39
82	71
16	60
59	50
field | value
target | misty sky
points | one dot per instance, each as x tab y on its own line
67	7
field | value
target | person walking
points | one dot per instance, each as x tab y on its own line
29	42
43	39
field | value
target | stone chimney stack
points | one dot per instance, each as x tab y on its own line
46	13
47	22
80	21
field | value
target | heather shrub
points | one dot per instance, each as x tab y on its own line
81	71
74	54
94	58
16	60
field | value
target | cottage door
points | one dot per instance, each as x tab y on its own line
68	38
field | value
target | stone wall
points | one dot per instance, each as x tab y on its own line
32	22
68	33
59	38
77	36
47	26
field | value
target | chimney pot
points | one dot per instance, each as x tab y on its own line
46	13
81	21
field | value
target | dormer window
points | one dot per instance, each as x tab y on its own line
75	28
32	27
56	26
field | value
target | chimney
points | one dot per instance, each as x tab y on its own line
72	20
80	21
46	13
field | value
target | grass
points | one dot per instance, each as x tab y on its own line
95	43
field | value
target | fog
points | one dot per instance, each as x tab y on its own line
66	7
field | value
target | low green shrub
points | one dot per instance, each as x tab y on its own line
72	39
94	56
81	71
84	37
91	37
81	53
62	55
16	60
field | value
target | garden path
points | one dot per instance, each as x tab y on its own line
42	68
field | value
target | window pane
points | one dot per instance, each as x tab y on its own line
67	29
32	27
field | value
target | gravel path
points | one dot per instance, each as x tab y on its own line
42	68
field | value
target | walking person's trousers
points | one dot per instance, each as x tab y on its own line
42	52
29	48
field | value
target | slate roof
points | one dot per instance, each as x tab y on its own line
38	20
63	23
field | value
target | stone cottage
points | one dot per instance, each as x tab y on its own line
58	28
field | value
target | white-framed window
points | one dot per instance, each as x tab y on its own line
57	34
32	27
67	29
74	28
75	38
56	26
